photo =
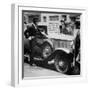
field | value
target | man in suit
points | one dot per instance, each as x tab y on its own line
31	32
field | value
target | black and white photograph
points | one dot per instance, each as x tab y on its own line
51	43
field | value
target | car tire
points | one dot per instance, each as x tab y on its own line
61	64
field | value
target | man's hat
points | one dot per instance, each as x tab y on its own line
35	19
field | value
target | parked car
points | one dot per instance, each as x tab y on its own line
59	49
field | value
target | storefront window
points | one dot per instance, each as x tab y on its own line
53	18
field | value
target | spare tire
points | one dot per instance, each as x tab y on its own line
46	50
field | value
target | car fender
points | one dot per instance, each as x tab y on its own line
63	49
48	41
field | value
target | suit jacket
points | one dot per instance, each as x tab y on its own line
32	31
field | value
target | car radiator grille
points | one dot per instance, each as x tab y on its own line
62	44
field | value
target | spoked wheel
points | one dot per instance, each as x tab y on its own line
61	64
46	50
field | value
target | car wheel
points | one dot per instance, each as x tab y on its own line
46	50
61	64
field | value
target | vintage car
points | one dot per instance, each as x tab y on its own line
58	50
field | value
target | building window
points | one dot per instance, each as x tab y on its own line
44	19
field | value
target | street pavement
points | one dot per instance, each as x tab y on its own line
37	71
